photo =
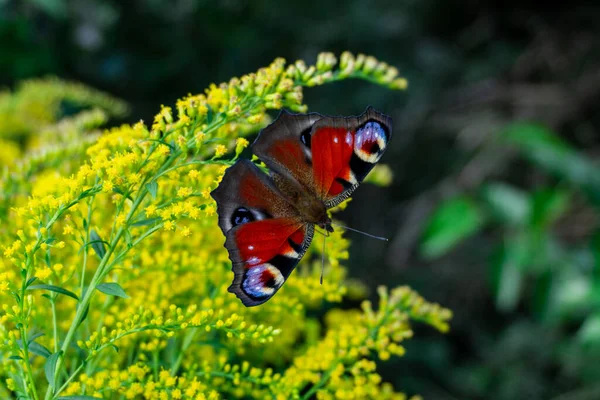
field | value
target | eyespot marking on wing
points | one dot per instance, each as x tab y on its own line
262	280
370	142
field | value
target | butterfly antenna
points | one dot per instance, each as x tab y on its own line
323	259
364	233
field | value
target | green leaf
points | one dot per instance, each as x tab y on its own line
85	314
148	221
53	288
550	152
548	205
152	188
35	336
30	281
589	333
15	358
452	222
97	244
78	397
507	203
50	367
572	294
113	289
507	279
209	114
35	348
40	350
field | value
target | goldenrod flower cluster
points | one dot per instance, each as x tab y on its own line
113	274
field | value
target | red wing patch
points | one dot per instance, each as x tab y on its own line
289	153
265	253
256	195
332	150
260	241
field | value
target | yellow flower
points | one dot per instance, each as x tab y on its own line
193	174
67	230
206	193
220	150
43	273
210	210
185	231
150	210
240	145
184	192
107	186
169	226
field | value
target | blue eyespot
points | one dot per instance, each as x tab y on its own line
370	141
241	216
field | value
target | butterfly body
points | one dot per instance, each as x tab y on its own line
315	163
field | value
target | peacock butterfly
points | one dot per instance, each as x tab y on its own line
316	162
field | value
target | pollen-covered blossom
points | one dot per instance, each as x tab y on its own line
113	269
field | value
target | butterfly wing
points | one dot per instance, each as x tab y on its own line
345	150
285	147
265	236
329	156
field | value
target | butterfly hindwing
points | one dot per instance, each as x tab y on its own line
264	254
329	156
265	236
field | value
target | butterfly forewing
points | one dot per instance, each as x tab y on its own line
329	156
285	147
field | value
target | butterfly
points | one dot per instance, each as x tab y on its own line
315	163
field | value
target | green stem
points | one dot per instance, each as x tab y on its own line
87	239
73	375
54	322
319	384
26	360
187	341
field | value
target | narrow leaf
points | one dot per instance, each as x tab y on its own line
35	336
589	333
84	315
148	221
50	367
30	281
113	289
507	203
40	350
53	288
15	358
556	156
152	188
548	206
452	222
35	348
209	114
97	244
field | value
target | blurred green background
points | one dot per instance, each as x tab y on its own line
493	211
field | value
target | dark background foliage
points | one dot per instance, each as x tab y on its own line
493	211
